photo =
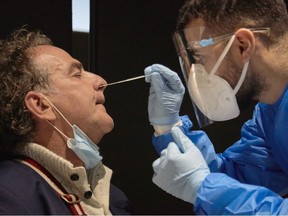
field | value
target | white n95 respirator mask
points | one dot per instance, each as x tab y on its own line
212	96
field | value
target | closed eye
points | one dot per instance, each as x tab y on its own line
76	69
198	57
78	74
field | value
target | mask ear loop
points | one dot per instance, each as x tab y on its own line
58	130
242	77
222	56
219	61
60	115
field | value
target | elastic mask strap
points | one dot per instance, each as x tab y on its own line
58	130
60	115
222	56
57	110
242	77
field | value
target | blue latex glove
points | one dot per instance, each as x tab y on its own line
180	174
166	95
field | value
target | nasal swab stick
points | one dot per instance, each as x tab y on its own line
127	80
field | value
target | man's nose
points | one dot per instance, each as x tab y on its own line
99	83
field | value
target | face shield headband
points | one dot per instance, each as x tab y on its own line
212	97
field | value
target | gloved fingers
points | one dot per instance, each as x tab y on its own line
182	141
163	153
148	71
157	82
166	77
156	164
165	71
170	77
173	150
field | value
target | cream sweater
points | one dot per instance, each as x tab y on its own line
76	180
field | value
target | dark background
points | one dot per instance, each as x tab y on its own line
132	35
52	17
127	36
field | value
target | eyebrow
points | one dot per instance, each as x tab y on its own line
74	65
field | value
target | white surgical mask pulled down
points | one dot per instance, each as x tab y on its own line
213	95
80	144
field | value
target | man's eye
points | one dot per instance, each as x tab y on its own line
197	57
200	59
78	74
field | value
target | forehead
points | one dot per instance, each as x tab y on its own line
51	57
196	30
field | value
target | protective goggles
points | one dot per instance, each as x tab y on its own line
193	46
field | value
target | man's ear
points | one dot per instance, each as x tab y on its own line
38	106
246	43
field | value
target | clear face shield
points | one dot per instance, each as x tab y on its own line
212	96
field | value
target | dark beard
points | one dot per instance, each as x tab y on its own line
250	89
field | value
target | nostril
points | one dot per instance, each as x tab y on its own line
102	87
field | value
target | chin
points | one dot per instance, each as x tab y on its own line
111	128
109	125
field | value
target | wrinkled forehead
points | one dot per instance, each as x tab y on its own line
51	56
48	50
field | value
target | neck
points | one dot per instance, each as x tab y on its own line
273	69
49	138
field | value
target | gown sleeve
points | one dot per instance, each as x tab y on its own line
222	195
252	160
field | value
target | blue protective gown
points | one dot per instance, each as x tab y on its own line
250	176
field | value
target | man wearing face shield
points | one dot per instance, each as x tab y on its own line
230	52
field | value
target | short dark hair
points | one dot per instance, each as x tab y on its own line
18	75
226	16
